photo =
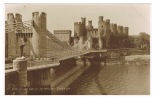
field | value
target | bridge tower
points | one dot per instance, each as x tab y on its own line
11	36
100	31
39	42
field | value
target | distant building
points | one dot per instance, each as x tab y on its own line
63	35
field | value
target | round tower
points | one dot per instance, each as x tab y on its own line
100	19
10	18
39	41
11	35
100	31
120	29
125	30
83	20
90	27
18	17
114	29
107	24
83	28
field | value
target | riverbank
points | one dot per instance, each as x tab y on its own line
137	60
131	59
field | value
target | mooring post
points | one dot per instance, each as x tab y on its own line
21	65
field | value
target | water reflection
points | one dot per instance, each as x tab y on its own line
117	79
87	83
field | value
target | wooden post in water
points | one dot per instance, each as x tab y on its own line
21	65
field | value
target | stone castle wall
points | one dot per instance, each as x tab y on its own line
102	33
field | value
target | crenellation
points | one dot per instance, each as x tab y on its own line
35	14
10	16
18	17
90	27
83	20
43	14
125	30
100	19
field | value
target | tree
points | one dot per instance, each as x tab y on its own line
143	40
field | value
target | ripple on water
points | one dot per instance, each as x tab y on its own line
113	80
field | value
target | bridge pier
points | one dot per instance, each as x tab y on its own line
95	59
68	62
21	65
39	81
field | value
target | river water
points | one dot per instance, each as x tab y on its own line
112	79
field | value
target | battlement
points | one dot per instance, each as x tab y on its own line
10	17
18	17
37	15
125	30
89	22
119	26
113	25
100	18
120	29
83	20
39	20
77	23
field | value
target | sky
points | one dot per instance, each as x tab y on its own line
63	16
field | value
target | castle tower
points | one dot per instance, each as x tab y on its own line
107	26
90	27
108	33
83	26
100	31
11	36
113	28
120	29
125	31
18	17
83	21
39	41
78	29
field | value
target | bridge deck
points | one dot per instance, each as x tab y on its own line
82	53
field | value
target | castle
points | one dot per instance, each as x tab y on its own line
100	37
